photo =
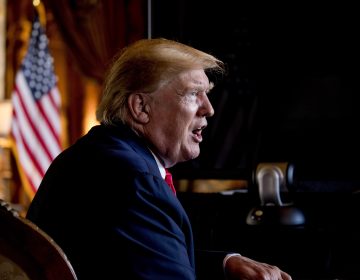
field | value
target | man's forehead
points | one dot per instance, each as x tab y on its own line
194	79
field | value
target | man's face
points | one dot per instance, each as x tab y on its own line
178	114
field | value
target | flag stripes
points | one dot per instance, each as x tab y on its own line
36	102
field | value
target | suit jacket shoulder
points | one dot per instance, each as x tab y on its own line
106	192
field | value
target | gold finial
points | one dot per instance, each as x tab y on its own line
39	6
36	2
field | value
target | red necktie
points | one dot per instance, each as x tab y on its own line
169	181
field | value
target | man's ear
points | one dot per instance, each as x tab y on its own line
138	107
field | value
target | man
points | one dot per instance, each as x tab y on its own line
105	201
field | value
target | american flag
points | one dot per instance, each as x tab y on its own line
36	104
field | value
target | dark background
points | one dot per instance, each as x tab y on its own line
291	93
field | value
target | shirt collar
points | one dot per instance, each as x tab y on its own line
160	166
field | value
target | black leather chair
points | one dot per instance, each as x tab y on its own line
27	252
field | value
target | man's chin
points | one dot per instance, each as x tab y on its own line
187	155
192	155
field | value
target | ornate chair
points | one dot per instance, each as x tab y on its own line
27	252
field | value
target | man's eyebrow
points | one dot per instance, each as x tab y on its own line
200	87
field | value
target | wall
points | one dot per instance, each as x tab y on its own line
292	89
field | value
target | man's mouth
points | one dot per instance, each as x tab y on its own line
197	134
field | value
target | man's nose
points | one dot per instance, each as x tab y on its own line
206	109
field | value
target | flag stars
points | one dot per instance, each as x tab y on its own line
38	63
37	94
41	54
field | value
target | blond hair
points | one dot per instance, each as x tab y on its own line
144	67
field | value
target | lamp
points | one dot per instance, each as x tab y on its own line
5	168
272	180
5	117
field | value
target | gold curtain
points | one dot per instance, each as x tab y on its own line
84	36
94	30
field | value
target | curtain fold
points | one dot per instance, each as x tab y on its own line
95	30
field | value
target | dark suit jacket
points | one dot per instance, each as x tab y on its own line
105	203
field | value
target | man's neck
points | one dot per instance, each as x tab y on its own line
159	164
157	159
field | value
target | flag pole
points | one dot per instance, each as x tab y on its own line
40	9
149	19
